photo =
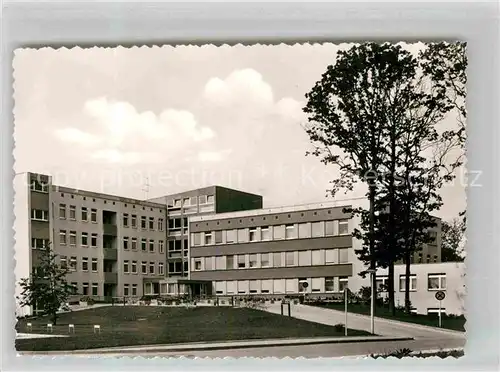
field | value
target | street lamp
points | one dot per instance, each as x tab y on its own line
372	300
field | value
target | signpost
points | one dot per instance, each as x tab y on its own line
305	285
345	299
440	295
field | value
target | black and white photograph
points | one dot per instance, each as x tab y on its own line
260	200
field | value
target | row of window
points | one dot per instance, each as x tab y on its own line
72	263
277	259
282	286
191	201
130	267
178	267
129	243
85	288
277	232
435	282
39	215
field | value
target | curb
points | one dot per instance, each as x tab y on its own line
174	348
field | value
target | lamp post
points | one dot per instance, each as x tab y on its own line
372	299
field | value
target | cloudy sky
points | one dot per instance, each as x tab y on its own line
107	120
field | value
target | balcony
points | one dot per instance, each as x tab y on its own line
110	229
111	278
110	254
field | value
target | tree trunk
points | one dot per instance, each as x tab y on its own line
372	240
390	289
407	282
54	318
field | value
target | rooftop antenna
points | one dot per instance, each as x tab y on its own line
146	188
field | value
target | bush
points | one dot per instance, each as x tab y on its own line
89	300
339	327
401	353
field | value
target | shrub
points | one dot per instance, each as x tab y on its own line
339	327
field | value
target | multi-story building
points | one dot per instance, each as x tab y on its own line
212	241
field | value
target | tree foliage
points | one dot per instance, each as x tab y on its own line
452	236
46	288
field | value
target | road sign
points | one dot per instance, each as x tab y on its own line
305	284
440	295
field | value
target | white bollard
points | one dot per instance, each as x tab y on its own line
97	328
29	326
71	328
49	327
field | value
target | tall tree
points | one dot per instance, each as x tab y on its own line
46	289
452	236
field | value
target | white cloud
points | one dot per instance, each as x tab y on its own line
76	136
213	156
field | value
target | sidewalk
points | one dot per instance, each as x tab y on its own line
225	345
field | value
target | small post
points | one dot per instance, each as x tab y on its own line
282	308
345	309
49	327
439	313
71	328
97	328
289	309
29	326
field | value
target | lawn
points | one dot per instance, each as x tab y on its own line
456	323
148	325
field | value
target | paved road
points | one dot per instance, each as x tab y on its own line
308	351
383	327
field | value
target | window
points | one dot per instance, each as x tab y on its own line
144	243
435	258
197	264
435	311
329	284
74	288
230	287
72	263
241	261
253	235
95	289
218	237
85	263
291	231
125	243
134	289
72	237
186	202
202	199
266	286
210	199
252	260
134	244
279	286
151	223
265	233
318	229
277	259
125	219
160	224
85	239
143	222
151	245
316	258
134	267
62	211
208	263
40	215
230	262
94	265
305	230
304	258
151	267
264	260
196	238
39	186
39	243
63	262
62	237
177	203
291	285
343	283
208	238
72	212
220	263
133	221
126	289
381	283
160	268
93	240
413	282
331	256
436	282
85	214
126	266
254	286
161	248
242	286
242	235
329	231
343	227
93	215
303	284
343	255
230	236
316	285
290	259
85	288
144	267
194	201
279	232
